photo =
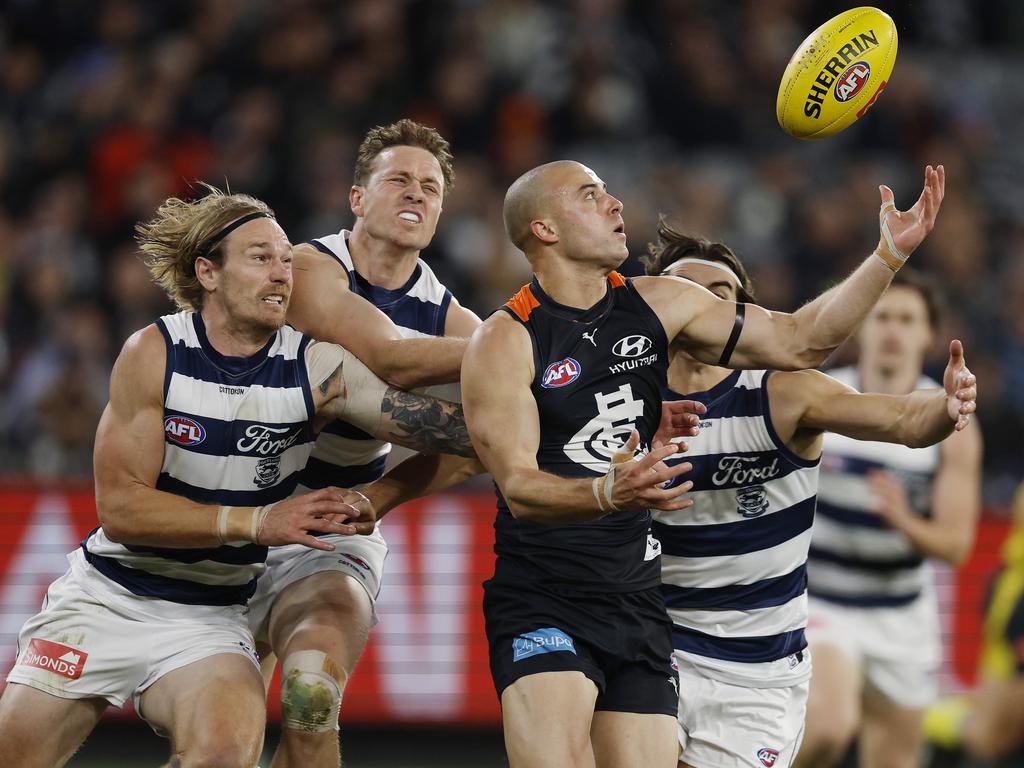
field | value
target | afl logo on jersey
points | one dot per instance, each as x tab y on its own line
183	430
561	373
632	346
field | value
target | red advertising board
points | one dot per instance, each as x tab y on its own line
427	658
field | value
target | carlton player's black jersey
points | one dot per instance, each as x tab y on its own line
600	373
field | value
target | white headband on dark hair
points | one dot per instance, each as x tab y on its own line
707	263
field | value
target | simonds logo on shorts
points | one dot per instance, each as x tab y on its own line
54	657
547	640
767	756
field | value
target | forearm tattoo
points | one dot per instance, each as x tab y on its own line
426	423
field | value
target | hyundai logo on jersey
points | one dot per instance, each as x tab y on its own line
561	373
546	640
632	346
183	430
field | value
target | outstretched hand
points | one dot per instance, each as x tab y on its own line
961	387
679	418
639	485
908	229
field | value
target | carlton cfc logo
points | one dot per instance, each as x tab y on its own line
852	81
767	756
561	373
183	430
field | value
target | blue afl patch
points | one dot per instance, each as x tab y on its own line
546	640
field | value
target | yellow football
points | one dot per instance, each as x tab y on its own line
837	73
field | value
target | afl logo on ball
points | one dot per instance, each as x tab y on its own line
852	81
183	430
632	346
561	373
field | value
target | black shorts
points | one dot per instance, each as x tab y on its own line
623	642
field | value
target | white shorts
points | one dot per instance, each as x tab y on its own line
898	650
92	638
722	725
361	557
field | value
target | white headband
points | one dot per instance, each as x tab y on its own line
705	262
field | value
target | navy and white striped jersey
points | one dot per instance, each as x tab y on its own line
345	455
856	558
238	431
733	565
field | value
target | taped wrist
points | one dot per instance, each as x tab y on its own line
887	252
602	488
311	685
241	525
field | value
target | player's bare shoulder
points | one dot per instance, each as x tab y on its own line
140	367
500	338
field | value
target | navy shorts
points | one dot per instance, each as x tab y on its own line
623	642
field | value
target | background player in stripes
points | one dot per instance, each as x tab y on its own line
568	692
734	565
882	510
323	602
212	415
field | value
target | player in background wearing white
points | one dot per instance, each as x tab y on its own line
571	230
212	413
882	511
734	564
315	609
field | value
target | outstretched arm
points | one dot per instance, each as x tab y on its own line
804	339
322	306
811	400
345	389
505	427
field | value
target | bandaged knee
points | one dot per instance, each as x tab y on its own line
311	683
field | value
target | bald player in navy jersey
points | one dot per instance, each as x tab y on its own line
579	639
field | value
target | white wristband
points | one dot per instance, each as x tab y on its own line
609	482
259	516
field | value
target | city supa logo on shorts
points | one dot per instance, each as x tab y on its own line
183	430
58	658
767	756
561	373
545	640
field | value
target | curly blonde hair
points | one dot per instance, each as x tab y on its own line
180	233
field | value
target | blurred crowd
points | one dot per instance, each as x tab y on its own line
109	106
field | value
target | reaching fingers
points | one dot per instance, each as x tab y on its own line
657	454
314	543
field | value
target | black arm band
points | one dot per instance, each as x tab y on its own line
737	327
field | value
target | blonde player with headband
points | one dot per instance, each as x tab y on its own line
734	564
212	414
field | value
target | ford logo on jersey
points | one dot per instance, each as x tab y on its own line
183	430
632	346
561	373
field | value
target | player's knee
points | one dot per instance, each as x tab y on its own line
225	752
311	688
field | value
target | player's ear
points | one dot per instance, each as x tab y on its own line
355	200
544	230
206	273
